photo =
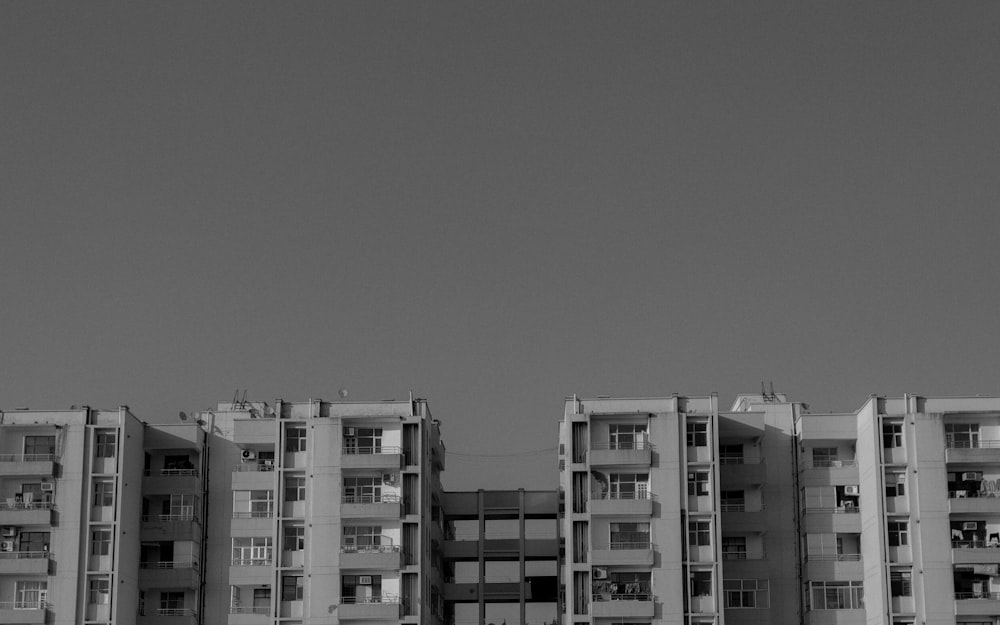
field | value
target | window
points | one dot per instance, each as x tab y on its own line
363	440
824	457
182	506
900	583
362	537
701	583
363	489
895	484
960	435
171	601
627	436
295	538
104	444
630	535
699	533
99	591
698	483
32	493
295	439
746	593
253	504
104	493
352	590
33	541
44	446
732	501
100	542
252	551
836	595
697	434
731	454
898	533
892	435
30	594
262	597
178	462
629	486
734	548
626	586
291	588
295	488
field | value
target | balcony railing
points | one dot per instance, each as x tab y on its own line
974	544
622	446
747	554
372	450
176	612
171	472
974	444
24	555
838	510
174	518
9	504
829	464
369	548
734	459
24	605
995	596
834	557
252	561
630	496
636	545
169	564
253	467
384	498
369	600
249	609
27	457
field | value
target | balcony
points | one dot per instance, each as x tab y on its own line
622	606
371	506
27	464
835	617
972	452
251	572
382	608
977	603
164	481
834	566
168	575
634	553
24	563
381	457
253	476
22	612
637	503
737	470
736	517
974	552
19	513
163	527
637	454
249	615
169	616
839	520
829	472
982	505
370	557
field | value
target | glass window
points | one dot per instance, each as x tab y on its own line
892	435
361	588
295	538
898	533
697	434
701	583
291	588
295	488
961	435
824	457
731	454
698	483
734	548
895	484
630	535
44	446
253	504
252	551
836	595
899	583
732	501
99	591
627	436
30	594
104	444
295	439
171	601
363	489
262	597
699	533
629	586
746	593
100	542
104	493
362	537
33	541
363	440
182	506
629	485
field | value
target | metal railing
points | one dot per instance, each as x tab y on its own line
621	446
642	495
253	467
620	596
176	612
170	564
168	518
252	561
254	514
369	549
384	498
633	545
834	557
372	450
839	510
24	555
974	544
10	504
828	464
375	599
995	596
249	609
24	605
733	459
976	444
171	472
27	457
747	554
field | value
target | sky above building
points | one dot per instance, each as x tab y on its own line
496	205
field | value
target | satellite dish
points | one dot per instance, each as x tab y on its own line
254	413
183	415
200	422
343	393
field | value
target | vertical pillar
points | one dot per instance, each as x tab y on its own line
520	550
482	557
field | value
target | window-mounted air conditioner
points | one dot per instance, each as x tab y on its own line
350	431
388	478
9	532
269	462
364	580
249	454
600	572
48	486
7	545
972	476
851	490
970	525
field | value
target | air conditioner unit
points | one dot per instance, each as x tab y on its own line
600	573
249	454
9	532
851	490
364	580
971	476
350	431
269	462
388	478
970	525
48	486
7	545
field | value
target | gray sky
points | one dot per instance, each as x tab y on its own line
497	205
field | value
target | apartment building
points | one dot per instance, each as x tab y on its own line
323	512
